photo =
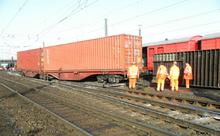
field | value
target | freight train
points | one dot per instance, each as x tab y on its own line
108	58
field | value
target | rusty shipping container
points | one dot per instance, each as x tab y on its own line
75	61
205	65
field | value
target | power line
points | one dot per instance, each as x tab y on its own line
143	14
192	26
73	12
98	20
13	18
180	19
67	7
183	18
62	19
149	12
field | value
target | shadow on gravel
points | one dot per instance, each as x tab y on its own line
212	94
31	90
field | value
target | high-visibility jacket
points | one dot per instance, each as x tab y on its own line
162	72
188	72
174	72
133	71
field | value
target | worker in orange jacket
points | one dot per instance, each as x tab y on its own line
161	76
133	75
188	74
174	76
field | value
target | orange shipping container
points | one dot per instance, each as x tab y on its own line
29	62
102	56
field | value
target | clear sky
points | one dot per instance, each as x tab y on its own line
26	24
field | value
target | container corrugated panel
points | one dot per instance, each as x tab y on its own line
102	54
29	60
205	65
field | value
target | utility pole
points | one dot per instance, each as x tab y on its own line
106	27
139	26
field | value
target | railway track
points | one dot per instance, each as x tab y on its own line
13	92
186	117
196	123
173	97
107	121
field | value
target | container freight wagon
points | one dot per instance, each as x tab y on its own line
205	65
106	58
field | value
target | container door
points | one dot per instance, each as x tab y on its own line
133	51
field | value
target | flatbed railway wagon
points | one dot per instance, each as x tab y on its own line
106	58
205	65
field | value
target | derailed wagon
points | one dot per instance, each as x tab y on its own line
106	58
205	65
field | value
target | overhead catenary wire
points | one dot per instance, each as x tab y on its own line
10	22
192	26
149	12
76	10
101	18
13	18
73	12
70	5
62	19
136	16
173	20
184	18
65	8
179	19
140	15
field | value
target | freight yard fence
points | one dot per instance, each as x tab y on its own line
205	65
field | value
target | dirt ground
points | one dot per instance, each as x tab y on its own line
20	118
6	125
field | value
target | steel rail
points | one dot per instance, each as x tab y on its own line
186	107
139	125
142	109
185	123
45	109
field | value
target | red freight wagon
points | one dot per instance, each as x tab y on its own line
107	58
211	41
168	46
